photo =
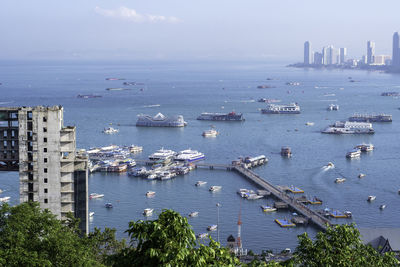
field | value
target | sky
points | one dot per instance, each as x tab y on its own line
192	29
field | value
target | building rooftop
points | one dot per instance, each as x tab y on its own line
375	236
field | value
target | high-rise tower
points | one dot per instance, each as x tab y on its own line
396	50
307	53
370	52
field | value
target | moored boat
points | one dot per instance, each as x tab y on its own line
212	227
148	212
292	108
365	147
268	208
189	155
348	127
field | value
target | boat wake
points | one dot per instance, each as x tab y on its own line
8	102
151	106
326	168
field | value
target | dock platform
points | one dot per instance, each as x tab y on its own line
284	223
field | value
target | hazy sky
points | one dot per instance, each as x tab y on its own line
192	29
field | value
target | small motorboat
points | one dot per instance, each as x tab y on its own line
215	188
308	123
348	214
150	194
4	199
108	205
194	214
361	175
340	180
212	227
202	235
148	212
91	214
95	195
200	183
382	207
110	130
330	165
371	198
268	208
210	133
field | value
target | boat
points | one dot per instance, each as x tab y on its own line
150	194
160	120
269	100
117	89
95	195
88	96
231	116
215	188
292	108
365	147
382	207
162	154
361	175
340	180
330	165
129	83
390	94
333	107
4	199
371	198
189	155
252	196
293	83
355	153
138	172
348	214
202	235
212	227
286	151
268	208
135	149
91	214
165	176
210	133
194	214
148	212
151	176
347	127
264	86
371	118
114	79
110	130
309	123
108	205
200	183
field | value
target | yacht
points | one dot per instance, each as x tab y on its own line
189	155
292	108
371	198
215	188
162	154
150	194
210	133
347	127
212	227
148	212
333	107
355	153
340	180
200	183
95	195
268	208
252	196
138	172
110	130
194	214
365	147
160	120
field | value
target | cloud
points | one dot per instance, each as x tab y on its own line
129	14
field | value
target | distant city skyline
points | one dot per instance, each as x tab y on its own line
172	29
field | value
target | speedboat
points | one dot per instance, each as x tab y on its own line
91	214
200	183
371	198
148	212
212	227
108	205
210	133
383	206
215	188
202	235
268	208
4	199
330	165
340	180
309	123
95	195
150	194
348	214
361	175
194	214
110	130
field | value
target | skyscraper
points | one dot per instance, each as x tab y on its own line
324	56
370	52
396	50
343	53
307	53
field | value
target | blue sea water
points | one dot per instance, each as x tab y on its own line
189	88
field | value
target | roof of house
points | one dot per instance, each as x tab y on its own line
377	237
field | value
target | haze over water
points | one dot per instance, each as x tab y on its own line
189	88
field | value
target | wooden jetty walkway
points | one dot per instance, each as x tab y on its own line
211	166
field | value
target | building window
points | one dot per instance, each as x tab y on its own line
30	196
46	200
45	139
45	170
45	190
45	180
45	129
45	160
44	119
45	149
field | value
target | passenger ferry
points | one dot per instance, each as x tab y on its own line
160	120
162	154
189	155
346	127
231	116
292	108
355	153
210	133
365	147
371	118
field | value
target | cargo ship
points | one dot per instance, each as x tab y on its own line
231	116
371	118
160	120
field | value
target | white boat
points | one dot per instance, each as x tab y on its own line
91	214
361	175
135	149
148	212
383	206
194	214
165	176
200	183
202	235
251	196
268	208
161	120
309	123
348	127
189	155
365	147
333	107
348	214
95	195
151	176
329	165
4	199
212	227
110	130
210	133
162	154
150	194
215	188
292	108
340	180
355	153
371	198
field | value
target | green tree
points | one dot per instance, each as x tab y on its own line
170	241
339	246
